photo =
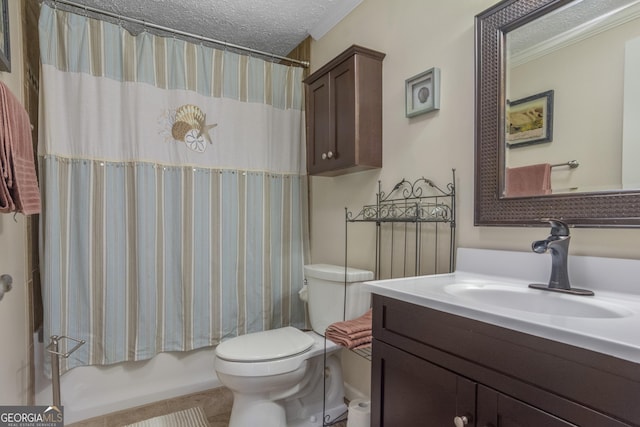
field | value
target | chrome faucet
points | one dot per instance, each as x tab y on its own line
558	245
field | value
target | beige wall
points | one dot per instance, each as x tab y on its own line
588	109
13	307
417	35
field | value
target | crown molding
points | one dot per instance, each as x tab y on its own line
574	35
332	17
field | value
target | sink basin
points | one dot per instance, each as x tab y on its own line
536	301
606	323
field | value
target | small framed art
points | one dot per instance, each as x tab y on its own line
5	52
422	93
529	120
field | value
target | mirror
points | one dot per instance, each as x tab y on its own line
570	78
584	204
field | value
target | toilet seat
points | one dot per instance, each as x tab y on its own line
274	366
265	346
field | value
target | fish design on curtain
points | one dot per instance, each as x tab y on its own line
174	191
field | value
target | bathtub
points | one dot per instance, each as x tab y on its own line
91	391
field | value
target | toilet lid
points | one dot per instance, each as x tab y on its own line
265	345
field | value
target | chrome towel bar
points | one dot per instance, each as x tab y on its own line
571	163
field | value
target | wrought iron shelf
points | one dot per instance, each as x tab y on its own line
417	201
421	203
427	212
400	212
363	352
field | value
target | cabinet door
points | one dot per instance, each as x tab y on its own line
319	124
411	392
497	410
343	107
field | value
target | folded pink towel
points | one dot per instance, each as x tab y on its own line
353	334
532	180
348	342
18	182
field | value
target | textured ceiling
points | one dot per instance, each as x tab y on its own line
582	16
274	26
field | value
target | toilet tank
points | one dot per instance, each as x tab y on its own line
327	291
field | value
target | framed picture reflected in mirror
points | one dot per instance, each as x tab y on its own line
529	120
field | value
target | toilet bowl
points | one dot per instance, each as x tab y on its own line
286	377
283	388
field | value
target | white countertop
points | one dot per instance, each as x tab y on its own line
616	336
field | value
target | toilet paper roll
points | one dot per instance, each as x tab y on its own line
359	413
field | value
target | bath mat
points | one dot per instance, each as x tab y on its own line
192	417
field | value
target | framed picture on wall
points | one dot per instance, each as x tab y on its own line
423	92
529	120
5	51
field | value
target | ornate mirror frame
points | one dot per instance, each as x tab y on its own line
597	209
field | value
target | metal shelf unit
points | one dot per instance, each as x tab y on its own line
415	229
413	222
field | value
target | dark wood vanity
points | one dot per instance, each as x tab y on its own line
431	368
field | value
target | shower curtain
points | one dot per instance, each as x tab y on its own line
174	191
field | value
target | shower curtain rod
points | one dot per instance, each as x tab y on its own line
117	16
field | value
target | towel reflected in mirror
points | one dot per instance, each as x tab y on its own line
531	180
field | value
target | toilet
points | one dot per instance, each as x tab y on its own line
289	378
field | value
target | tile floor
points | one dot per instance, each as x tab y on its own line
216	404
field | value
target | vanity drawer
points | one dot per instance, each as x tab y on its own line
526	367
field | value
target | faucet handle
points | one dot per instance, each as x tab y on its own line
558	228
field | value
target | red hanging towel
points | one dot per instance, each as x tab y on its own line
532	180
19	190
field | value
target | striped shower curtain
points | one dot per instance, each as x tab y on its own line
174	191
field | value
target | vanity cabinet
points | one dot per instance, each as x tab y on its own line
432	368
344	114
499	410
417	392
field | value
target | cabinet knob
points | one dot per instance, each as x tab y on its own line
324	156
330	154
460	421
